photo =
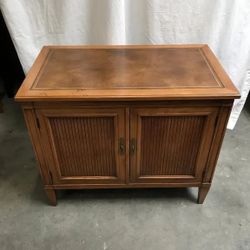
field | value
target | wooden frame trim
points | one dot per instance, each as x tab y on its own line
118	114
210	113
220	130
36	140
130	185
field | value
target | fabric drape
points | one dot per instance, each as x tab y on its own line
223	24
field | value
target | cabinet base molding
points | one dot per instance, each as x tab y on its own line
114	186
202	189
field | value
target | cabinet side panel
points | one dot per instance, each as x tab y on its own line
219	134
31	123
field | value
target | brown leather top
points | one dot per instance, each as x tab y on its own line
126	72
125	68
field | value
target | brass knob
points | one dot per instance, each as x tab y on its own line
121	146
132	146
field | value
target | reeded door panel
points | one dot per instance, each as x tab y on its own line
85	144
169	144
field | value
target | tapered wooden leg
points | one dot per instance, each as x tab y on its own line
203	190
51	194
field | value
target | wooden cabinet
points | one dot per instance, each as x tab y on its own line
126	116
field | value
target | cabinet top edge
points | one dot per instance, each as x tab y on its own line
126	72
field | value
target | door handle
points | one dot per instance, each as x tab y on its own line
121	146
132	146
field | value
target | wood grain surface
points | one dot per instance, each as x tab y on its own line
146	72
127	116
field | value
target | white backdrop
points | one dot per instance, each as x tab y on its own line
223	24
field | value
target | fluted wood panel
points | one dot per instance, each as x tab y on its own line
169	144
85	146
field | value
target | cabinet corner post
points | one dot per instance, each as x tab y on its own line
203	191
51	194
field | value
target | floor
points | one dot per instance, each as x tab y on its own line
122	219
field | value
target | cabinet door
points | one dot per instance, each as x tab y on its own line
84	146
170	144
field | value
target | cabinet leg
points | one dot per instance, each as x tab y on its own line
51	194
203	190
